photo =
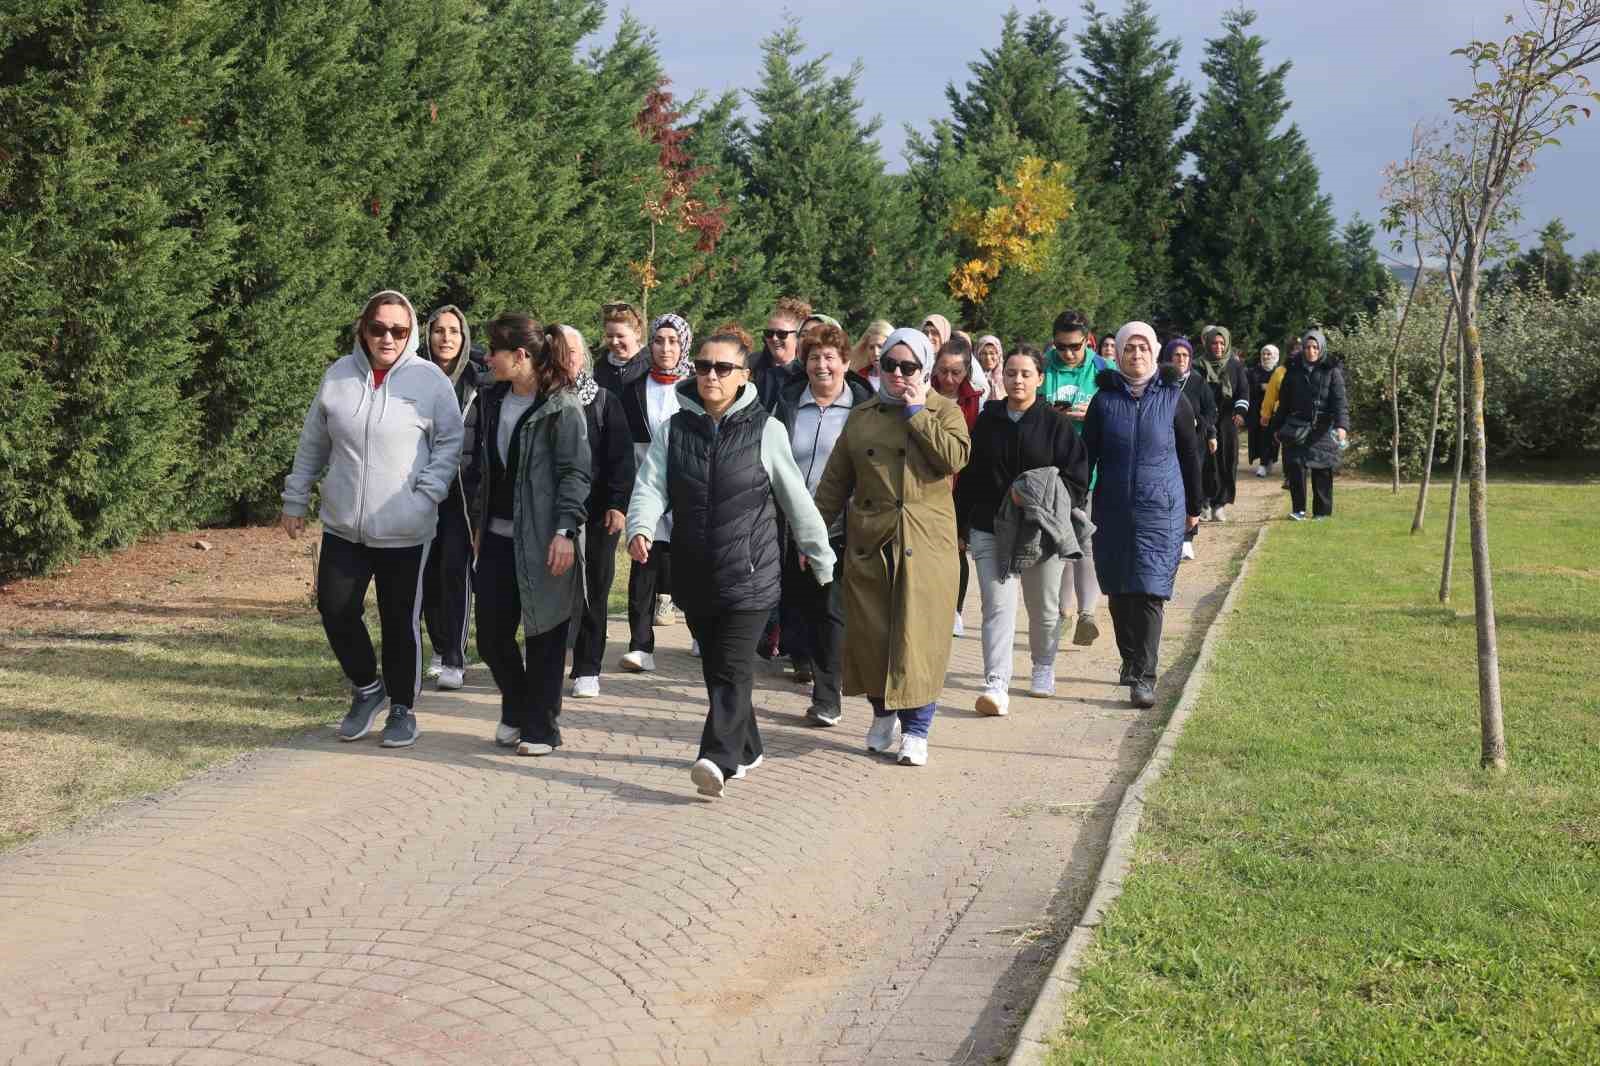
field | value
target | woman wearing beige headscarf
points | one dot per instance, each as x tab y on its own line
938	331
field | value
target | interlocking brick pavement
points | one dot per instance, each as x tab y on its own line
329	904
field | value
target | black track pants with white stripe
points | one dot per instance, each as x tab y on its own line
344	573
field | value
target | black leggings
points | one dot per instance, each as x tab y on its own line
447	584
645	583
1321	488
530	685
1137	620
344	572
600	567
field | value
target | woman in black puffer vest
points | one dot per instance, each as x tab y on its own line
722	466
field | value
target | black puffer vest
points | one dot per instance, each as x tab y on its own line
725	548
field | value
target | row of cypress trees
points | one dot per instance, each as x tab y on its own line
195	195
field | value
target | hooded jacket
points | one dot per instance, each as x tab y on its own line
1045	522
1314	392
614	378
1003	450
612	463
548	465
386	454
464	378
1070	385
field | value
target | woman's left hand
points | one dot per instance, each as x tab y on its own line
561	555
615	520
1211	445
1192	522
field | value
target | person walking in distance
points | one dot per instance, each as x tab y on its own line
1143	443
1312	420
1230	391
1012	438
988	355
648	403
447	575
775	364
611	472
624	360
864	356
383	435
952	381
535	457
1263	449
723	466
1179	354
892	468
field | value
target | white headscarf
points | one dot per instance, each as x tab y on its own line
1269	356
1136	329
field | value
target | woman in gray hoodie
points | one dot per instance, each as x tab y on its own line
383	435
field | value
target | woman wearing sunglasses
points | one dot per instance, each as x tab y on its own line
383	435
892	466
719	464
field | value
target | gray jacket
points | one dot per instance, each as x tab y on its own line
1044	523
386	456
550	492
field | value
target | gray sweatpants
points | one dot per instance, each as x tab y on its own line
1078	583
1041	592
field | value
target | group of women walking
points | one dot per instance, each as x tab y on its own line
815	495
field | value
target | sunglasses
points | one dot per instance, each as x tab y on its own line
704	367
909	368
378	329
778	334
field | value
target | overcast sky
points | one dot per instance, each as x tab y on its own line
1364	71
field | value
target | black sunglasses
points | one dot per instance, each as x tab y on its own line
378	329
706	366
908	368
778	334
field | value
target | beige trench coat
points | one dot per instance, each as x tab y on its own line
894	473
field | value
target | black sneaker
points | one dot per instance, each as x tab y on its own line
363	713
803	674
1140	694
824	716
400	731
1125	678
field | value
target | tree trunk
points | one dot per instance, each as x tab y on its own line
1433	422
1447	571
1491	718
1394	376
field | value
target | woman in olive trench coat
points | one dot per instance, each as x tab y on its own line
890	472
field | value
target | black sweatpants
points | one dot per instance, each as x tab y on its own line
645	583
813	626
1321	488
961	585
1263	443
1225	484
344	572
530	685
727	662
600	563
447	585
1137	619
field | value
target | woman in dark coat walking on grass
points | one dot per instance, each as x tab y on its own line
1142	442
1312	420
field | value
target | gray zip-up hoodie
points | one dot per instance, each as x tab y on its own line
386	456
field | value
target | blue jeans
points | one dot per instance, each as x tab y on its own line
914	721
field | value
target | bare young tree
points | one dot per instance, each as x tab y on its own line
1526	89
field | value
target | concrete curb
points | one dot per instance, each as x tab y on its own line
1049	1010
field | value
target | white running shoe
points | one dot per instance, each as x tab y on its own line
959	629
450	678
746	767
1205	513
1261	470
528	747
665	615
638	662
507	736
995	701
913	751
694	647
1220	514
707	778
585	688
1043	682
435	664
880	738
1188	550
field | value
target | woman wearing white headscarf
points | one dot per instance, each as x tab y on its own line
892	466
1144	448
1263	445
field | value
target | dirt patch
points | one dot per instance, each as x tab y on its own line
254	570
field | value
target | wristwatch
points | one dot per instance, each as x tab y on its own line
568	533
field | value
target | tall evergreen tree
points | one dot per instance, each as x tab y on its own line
1134	106
1254	243
1360	280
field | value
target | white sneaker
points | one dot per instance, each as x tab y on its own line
995	701
745	767
880	738
435	664
913	751
1220	514
528	747
450	678
694	647
1205	513
1188	550
507	736
638	662
959	629
1261	470
1043	682
585	688
707	778
665	615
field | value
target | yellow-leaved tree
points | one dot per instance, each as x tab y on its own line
1016	233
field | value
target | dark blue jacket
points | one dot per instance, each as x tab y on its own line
1146	454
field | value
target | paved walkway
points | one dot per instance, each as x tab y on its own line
332	904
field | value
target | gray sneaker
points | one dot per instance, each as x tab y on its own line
363	713
1087	631
400	731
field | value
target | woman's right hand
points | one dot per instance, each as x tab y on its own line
639	549
292	525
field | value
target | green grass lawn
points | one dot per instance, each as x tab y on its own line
1323	874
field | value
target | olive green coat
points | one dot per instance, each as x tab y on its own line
894	473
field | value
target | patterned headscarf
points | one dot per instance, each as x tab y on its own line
680	326
1212	331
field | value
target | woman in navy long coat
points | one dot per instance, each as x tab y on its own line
1140	433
